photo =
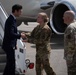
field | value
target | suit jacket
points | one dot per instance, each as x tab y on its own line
10	33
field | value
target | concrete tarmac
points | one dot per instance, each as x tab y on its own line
57	61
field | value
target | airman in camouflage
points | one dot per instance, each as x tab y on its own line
41	37
70	42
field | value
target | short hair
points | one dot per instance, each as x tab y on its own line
16	7
44	16
70	13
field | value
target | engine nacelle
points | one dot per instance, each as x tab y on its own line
56	19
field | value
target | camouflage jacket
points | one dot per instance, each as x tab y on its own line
41	37
70	41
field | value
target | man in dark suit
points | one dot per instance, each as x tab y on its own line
10	39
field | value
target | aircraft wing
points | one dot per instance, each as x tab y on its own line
47	5
25	19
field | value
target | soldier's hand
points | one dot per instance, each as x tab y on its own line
24	40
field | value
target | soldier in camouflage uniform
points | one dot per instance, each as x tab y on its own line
70	42
41	37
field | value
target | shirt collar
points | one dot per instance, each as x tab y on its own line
13	16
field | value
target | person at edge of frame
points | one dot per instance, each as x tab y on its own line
10	39
70	41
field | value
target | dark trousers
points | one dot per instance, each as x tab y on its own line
10	64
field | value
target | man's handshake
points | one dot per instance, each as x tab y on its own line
23	35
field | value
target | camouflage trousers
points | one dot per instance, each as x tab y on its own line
42	62
72	66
